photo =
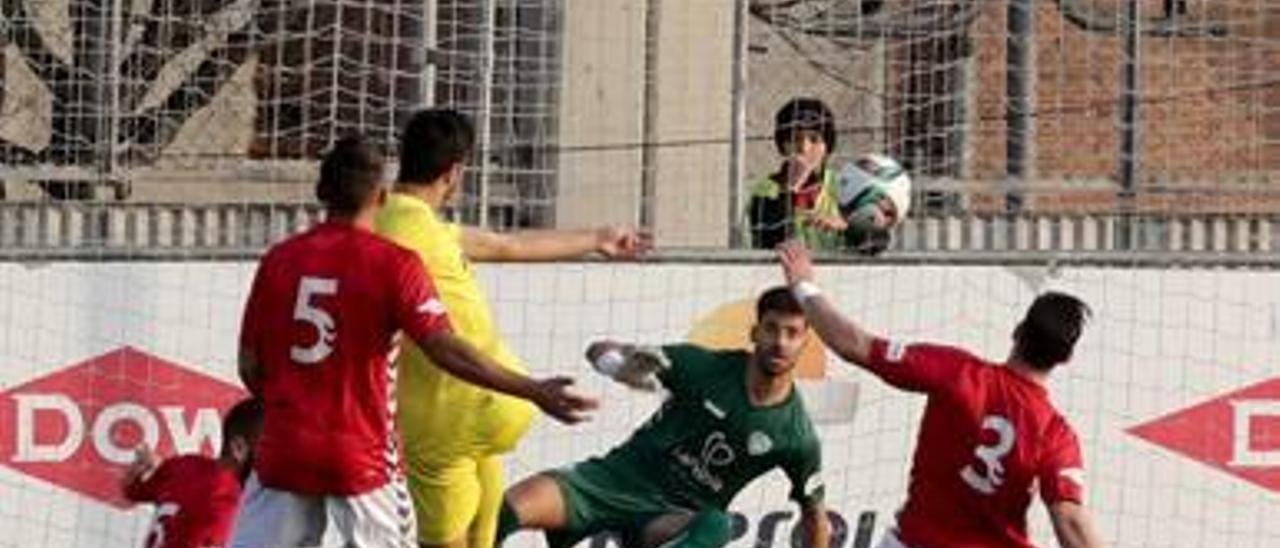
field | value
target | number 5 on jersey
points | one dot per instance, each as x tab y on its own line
990	456
304	310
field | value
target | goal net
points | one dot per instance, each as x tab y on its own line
1124	151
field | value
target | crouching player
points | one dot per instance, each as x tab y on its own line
731	416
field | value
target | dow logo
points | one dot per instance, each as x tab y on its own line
1238	433
77	427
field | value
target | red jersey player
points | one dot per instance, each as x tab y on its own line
196	496
989	435
318	339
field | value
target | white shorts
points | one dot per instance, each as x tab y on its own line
270	518
891	540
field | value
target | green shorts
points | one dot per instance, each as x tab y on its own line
600	498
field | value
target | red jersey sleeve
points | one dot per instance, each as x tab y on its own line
418	308
146	488
917	367
1062	466
221	522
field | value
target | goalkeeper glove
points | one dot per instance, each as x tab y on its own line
635	368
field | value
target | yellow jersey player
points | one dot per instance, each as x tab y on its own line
455	433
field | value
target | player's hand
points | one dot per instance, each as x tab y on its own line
596	349
555	399
633	366
797	264
623	243
642	365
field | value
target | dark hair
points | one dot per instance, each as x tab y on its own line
778	299
1047	335
243	420
351	172
804	113
433	141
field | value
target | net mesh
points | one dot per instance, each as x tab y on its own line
1086	145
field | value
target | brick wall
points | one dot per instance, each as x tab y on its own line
1210	110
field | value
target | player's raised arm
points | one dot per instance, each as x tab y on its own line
1073	526
841	335
549	245
634	366
918	368
423	317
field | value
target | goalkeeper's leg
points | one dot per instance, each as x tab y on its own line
535	503
574	503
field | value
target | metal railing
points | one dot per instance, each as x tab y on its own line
87	231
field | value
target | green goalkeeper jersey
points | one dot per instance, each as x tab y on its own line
708	441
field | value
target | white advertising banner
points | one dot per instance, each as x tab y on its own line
1174	390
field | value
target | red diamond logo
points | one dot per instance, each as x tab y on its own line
77	427
1238	433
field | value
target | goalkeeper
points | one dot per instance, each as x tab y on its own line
730	417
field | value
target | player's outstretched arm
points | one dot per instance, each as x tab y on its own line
549	245
841	335
1073	526
462	360
634	366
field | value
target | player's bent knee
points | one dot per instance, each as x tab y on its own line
537	502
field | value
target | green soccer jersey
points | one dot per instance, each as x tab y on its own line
707	441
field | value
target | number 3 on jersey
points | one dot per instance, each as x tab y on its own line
304	310
990	456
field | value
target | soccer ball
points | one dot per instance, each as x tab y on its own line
875	196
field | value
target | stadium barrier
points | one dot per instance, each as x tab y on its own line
1173	391
176	231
